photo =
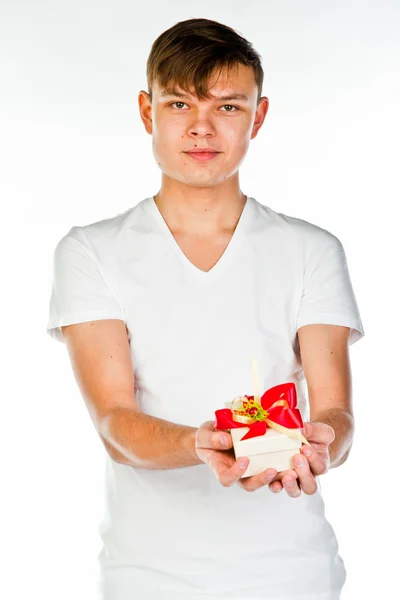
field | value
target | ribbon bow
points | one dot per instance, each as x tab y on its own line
277	411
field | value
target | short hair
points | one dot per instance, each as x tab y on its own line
189	52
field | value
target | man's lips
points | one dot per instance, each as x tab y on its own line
203	156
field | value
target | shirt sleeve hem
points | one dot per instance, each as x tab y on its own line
54	325
356	328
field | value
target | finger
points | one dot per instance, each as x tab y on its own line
287	473
207	437
319	432
318	465
306	478
291	486
252	483
227	476
316	446
276	487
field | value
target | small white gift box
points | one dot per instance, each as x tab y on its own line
271	450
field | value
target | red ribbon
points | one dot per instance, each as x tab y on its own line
286	416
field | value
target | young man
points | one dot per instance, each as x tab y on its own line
162	307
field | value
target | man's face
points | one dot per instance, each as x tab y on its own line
180	123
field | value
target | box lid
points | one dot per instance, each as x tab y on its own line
271	441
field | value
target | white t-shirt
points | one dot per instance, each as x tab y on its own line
178	533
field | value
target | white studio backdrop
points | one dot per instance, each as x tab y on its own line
73	150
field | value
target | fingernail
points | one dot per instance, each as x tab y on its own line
224	441
299	462
243	464
289	482
307	451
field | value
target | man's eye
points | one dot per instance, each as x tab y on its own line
224	105
177	103
231	106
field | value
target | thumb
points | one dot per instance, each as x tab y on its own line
319	432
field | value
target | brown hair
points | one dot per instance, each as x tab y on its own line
188	53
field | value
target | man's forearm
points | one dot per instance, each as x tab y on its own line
140	440
343	425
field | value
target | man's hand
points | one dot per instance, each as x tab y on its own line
221	459
315	461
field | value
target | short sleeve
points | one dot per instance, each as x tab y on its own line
79	292
328	296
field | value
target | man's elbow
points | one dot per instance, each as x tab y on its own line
114	454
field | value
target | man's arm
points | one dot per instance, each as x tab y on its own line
145	441
325	357
101	362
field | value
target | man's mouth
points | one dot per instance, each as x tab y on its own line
202	155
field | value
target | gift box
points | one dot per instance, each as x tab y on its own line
271	450
267	429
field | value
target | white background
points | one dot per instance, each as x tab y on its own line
73	150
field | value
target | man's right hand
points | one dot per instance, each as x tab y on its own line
221	459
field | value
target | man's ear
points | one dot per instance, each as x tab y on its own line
261	113
145	110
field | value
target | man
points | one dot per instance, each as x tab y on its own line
162	307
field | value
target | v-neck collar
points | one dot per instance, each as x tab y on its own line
229	251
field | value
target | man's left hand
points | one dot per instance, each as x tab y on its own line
315	461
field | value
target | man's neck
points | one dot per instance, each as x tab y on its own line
200	216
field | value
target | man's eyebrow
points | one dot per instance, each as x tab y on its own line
232	96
